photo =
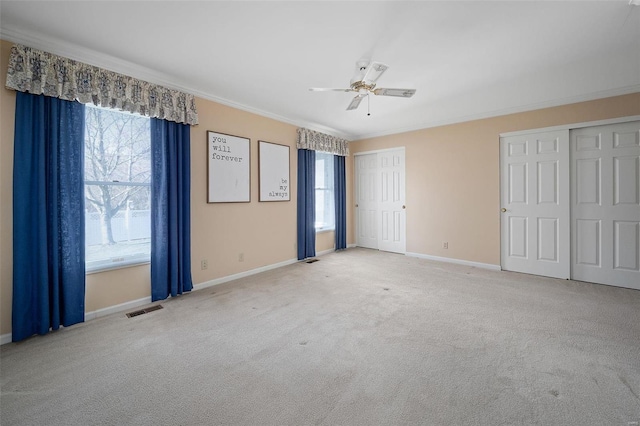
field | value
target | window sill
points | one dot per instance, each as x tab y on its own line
323	230
104	267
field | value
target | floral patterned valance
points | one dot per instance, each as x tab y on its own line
316	141
39	72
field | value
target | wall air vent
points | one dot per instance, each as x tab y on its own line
143	311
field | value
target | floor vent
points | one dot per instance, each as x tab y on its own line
144	311
312	260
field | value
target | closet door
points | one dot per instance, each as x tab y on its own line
392	202
367	197
380	200
534	192
605	210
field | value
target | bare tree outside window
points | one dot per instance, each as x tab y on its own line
117	179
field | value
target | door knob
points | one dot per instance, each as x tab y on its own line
356	205
503	210
404	207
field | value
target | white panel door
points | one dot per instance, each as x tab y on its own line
605	214
534	192
367	187
392	201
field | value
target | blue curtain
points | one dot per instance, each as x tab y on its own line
340	192
306	203
48	215
170	209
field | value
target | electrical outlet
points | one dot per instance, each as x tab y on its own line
241	257
204	264
445	245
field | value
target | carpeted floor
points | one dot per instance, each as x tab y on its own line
359	338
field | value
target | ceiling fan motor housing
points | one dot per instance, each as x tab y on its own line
362	87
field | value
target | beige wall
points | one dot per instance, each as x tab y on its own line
452	176
264	232
452	194
7	114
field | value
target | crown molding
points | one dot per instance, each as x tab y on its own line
506	111
91	57
112	63
78	53
573	126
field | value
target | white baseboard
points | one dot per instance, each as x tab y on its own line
117	308
250	272
351	245
458	261
6	338
323	252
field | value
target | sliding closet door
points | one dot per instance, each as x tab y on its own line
534	186
605	212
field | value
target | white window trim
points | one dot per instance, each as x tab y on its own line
331	191
125	261
323	230
115	263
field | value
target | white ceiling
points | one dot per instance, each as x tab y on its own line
466	59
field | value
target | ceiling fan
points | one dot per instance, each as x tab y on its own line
364	83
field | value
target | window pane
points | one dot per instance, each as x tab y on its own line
112	238
117	187
320	173
325	211
320	208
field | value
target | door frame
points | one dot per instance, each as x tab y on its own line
355	188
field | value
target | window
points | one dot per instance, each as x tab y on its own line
117	188
325	211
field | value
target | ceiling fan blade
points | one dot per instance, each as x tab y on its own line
323	89
401	93
355	102
374	71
